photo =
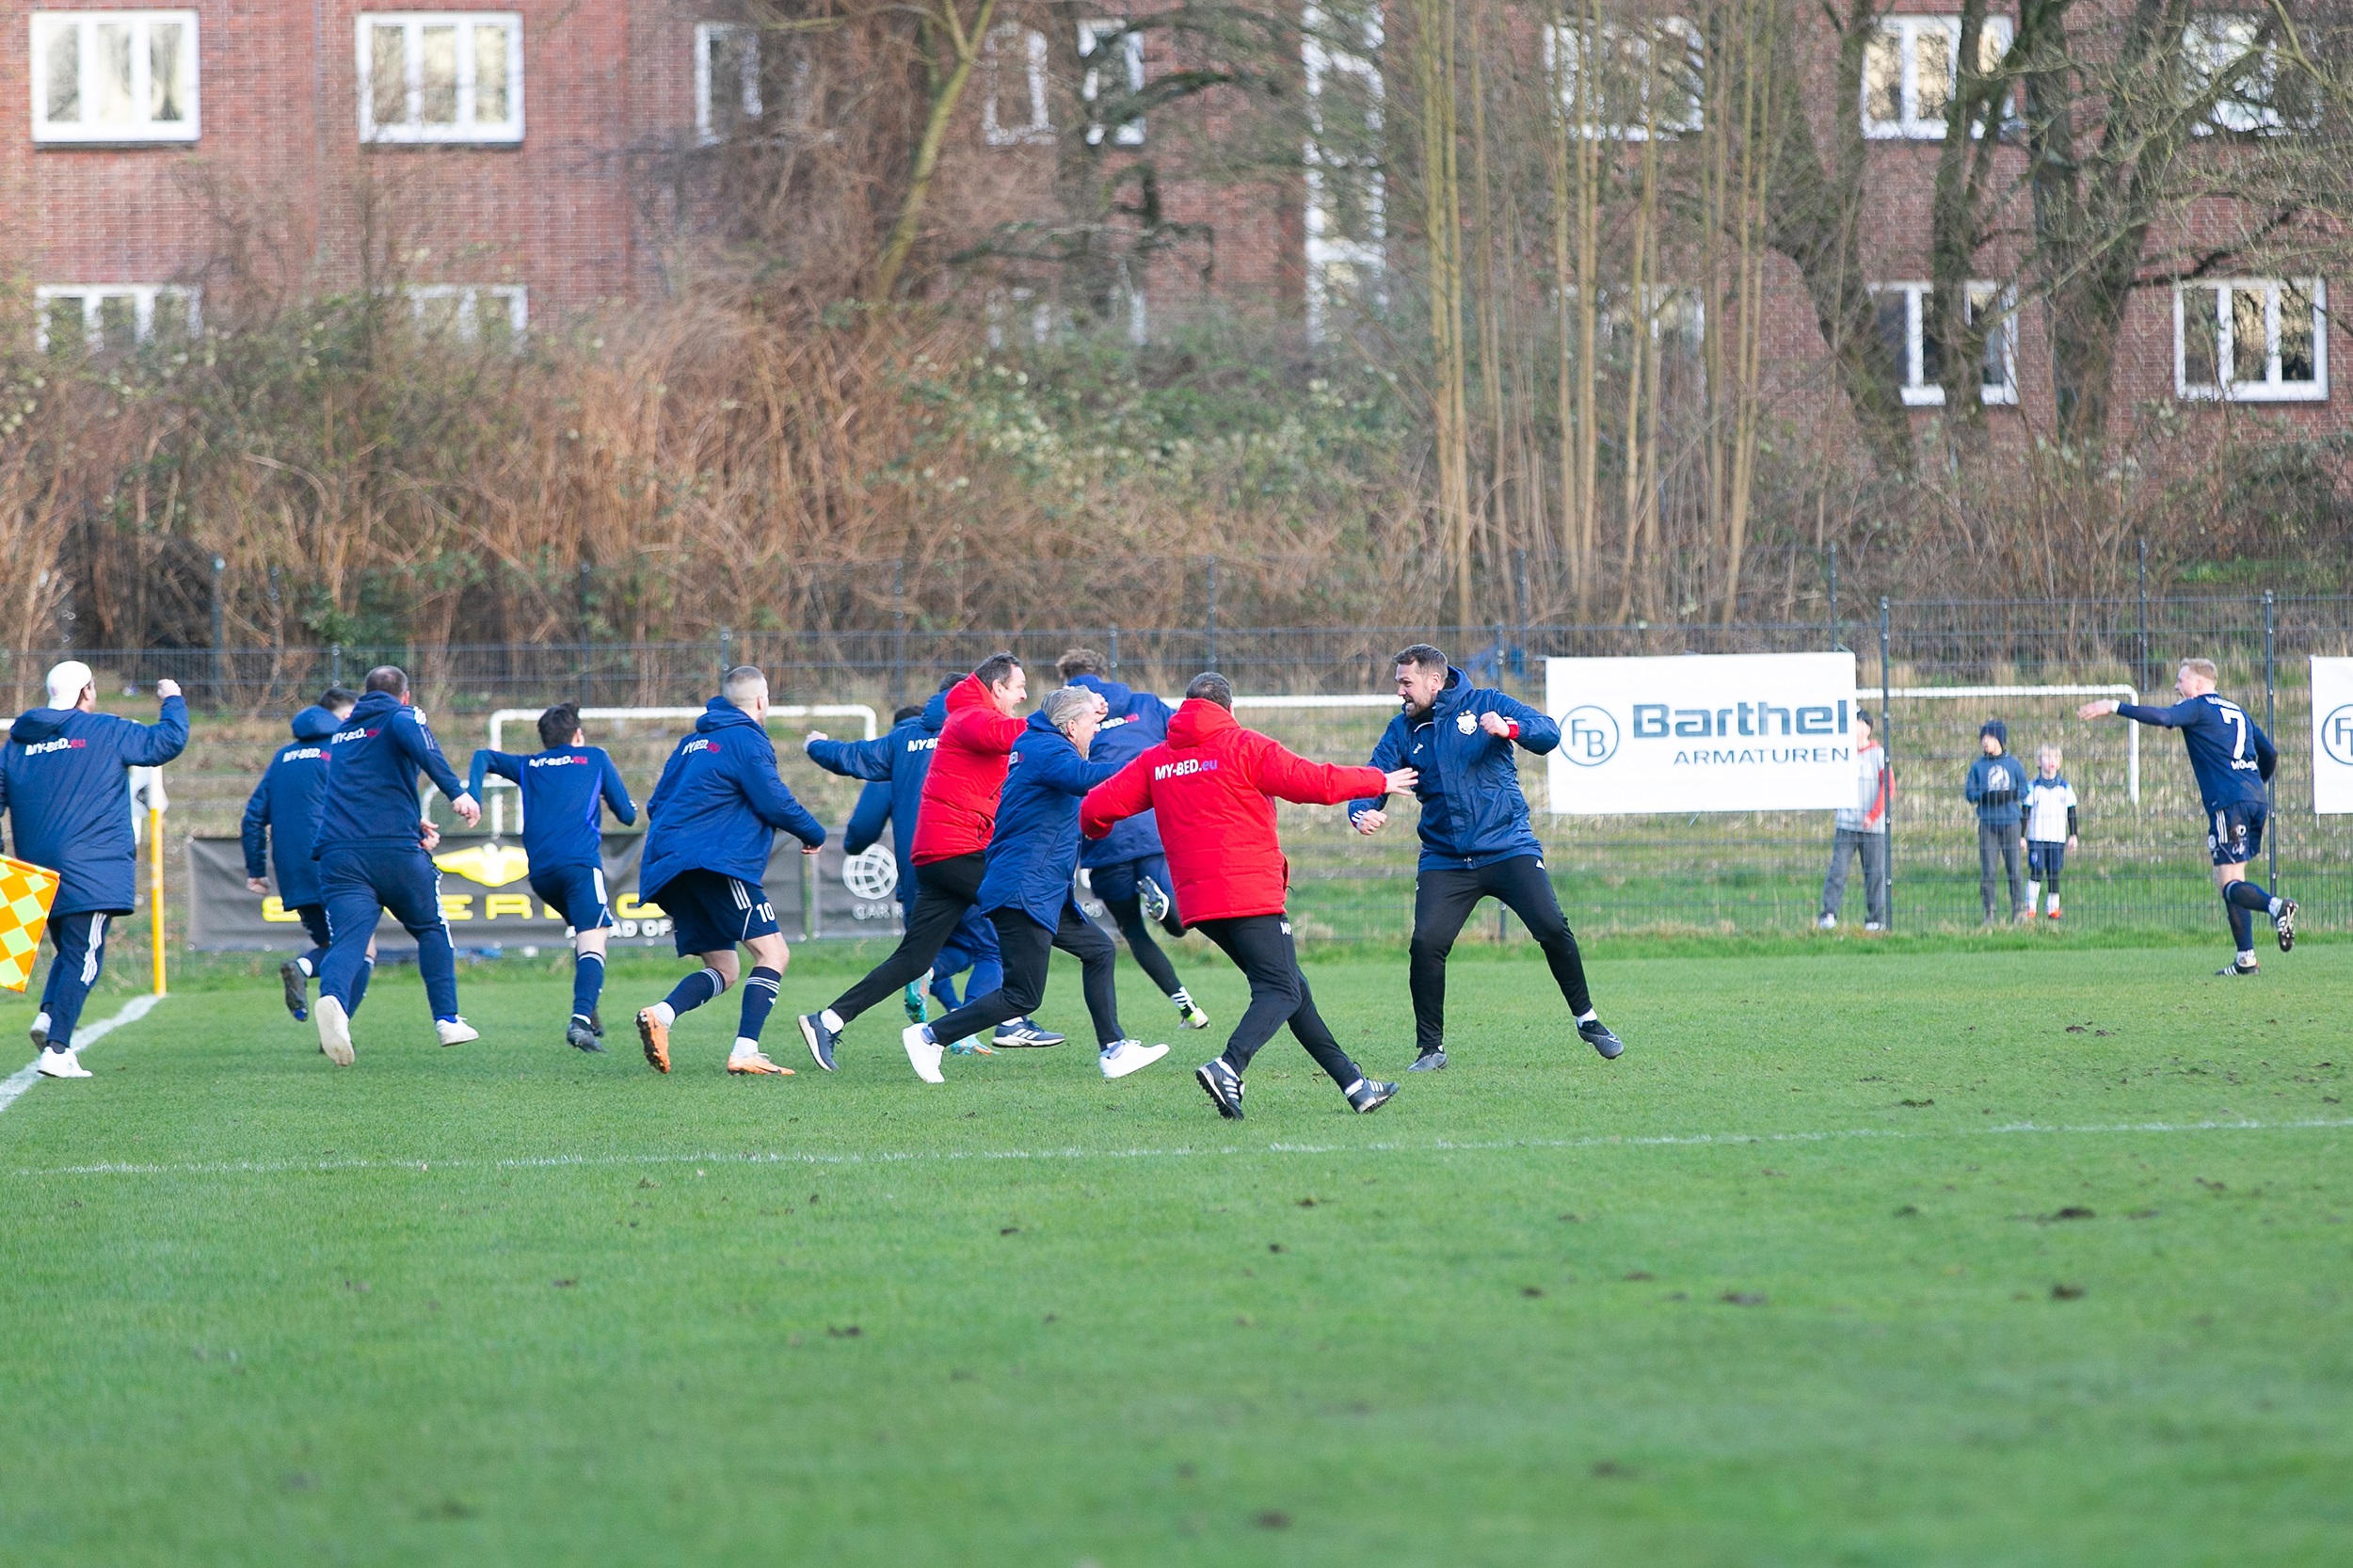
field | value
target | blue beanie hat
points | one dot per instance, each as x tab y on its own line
1996	728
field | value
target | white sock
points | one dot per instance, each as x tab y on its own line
2246	959
2053	904
41	1021
1354	1087
2274	906
304	965
832	1020
1587	1017
744	1048
664	1014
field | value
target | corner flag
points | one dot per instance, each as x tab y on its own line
26	891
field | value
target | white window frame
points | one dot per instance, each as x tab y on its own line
1328	254
1564	53
1910	125
747	91
2002	338
44	26
1093	36
2212	44
412	130
995	47
515	298
2228	386
142	296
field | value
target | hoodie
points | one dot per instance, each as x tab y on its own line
1138	721
1472	812
720	805
69	804
281	818
894	766
967	772
1035	848
1993	786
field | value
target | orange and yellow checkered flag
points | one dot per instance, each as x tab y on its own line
26	891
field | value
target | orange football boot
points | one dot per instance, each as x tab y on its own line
656	1039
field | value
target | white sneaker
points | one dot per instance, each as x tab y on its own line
1873	925
454	1031
60	1064
1828	923
923	1052
334	1031
1122	1057
40	1031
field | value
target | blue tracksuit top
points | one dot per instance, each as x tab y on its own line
70	806
1138	721
901	761
1996	786
562	790
1035	848
867	818
720	805
372	766
283	816
2231	755
1472	812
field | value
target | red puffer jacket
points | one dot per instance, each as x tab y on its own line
1214	785
959	809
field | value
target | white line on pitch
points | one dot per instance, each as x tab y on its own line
556	1161
132	1011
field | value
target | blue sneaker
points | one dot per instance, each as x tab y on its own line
1369	1094
915	1006
972	1046
820	1039
1154	898
1025	1032
1223	1085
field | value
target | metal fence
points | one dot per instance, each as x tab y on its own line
2140	866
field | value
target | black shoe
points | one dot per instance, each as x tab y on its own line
1429	1060
2234	966
1370	1094
2286	922
820	1039
1597	1036
1223	1085
297	990
596	1022
581	1034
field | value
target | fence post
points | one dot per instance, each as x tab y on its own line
1112	652
1519	600
1887	744
2141	677
898	628
1834	598
727	652
2270	726
221	654
1210	625
335	665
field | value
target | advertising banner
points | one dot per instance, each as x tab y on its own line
1702	732
2332	734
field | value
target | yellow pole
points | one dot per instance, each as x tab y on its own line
155	890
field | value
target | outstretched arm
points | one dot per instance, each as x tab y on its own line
1288	776
2168	718
486	762
867	759
1126	794
1369	814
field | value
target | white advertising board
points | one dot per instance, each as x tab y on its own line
1702	732
2332	734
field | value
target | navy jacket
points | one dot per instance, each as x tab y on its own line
372	765
720	805
61	783
1138	721
899	760
1472	812
283	817
868	819
1995	787
2227	751
562	788
1034	849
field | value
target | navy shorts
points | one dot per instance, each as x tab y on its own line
2234	834
2044	858
710	913
1123	879
577	894
314	921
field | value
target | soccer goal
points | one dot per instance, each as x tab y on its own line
1967	694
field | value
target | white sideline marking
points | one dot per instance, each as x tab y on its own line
132	1011
551	1161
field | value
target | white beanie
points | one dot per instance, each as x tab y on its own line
65	682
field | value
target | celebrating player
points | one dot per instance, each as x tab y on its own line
1214	785
714	818
1476	840
61	784
281	823
2233	759
373	857
563	788
1126	869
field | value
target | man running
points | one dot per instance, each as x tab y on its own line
1475	839
62	785
965	776
1026	892
282	825
2233	760
373	857
1214	785
1126	869
714	818
565	786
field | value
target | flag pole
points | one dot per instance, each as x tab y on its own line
155	888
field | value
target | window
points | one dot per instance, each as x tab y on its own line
441	76
111	316
2229	58
1627	84
1347	193
727	79
1112	43
1013	104
114	76
2254	340
471	313
1910	68
1907	323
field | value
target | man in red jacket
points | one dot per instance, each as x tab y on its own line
952	831
1214	785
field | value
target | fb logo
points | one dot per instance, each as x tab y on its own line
2336	736
1588	736
871	874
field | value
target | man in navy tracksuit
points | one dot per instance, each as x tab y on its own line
1476	840
1026	890
714	819
373	857
1126	867
282	825
565	788
63	784
2233	760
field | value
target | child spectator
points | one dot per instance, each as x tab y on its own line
1994	784
2050	806
1862	829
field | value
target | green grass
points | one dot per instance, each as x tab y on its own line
1786	1285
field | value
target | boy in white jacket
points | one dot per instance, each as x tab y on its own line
1862	829
2050	808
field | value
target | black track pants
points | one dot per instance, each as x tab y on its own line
1129	914
1026	947
1443	900
1260	946
947	890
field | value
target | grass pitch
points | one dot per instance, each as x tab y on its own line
1940	1258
